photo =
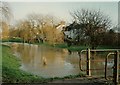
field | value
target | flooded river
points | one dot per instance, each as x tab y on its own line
48	61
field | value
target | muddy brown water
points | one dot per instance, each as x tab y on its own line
48	61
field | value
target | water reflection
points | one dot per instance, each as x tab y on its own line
52	62
46	61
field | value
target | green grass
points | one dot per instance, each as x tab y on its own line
12	40
0	63
64	45
107	47
12	74
75	47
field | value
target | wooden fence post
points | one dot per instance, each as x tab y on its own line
88	62
116	68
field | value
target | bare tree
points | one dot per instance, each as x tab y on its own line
5	12
90	24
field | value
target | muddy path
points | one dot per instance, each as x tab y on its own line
85	81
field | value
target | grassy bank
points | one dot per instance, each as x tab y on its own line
0	63
12	74
12	40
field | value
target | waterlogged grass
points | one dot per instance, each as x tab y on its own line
72	48
12	74
67	77
64	46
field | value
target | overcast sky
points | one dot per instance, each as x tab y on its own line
61	9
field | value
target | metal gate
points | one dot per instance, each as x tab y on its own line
115	68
